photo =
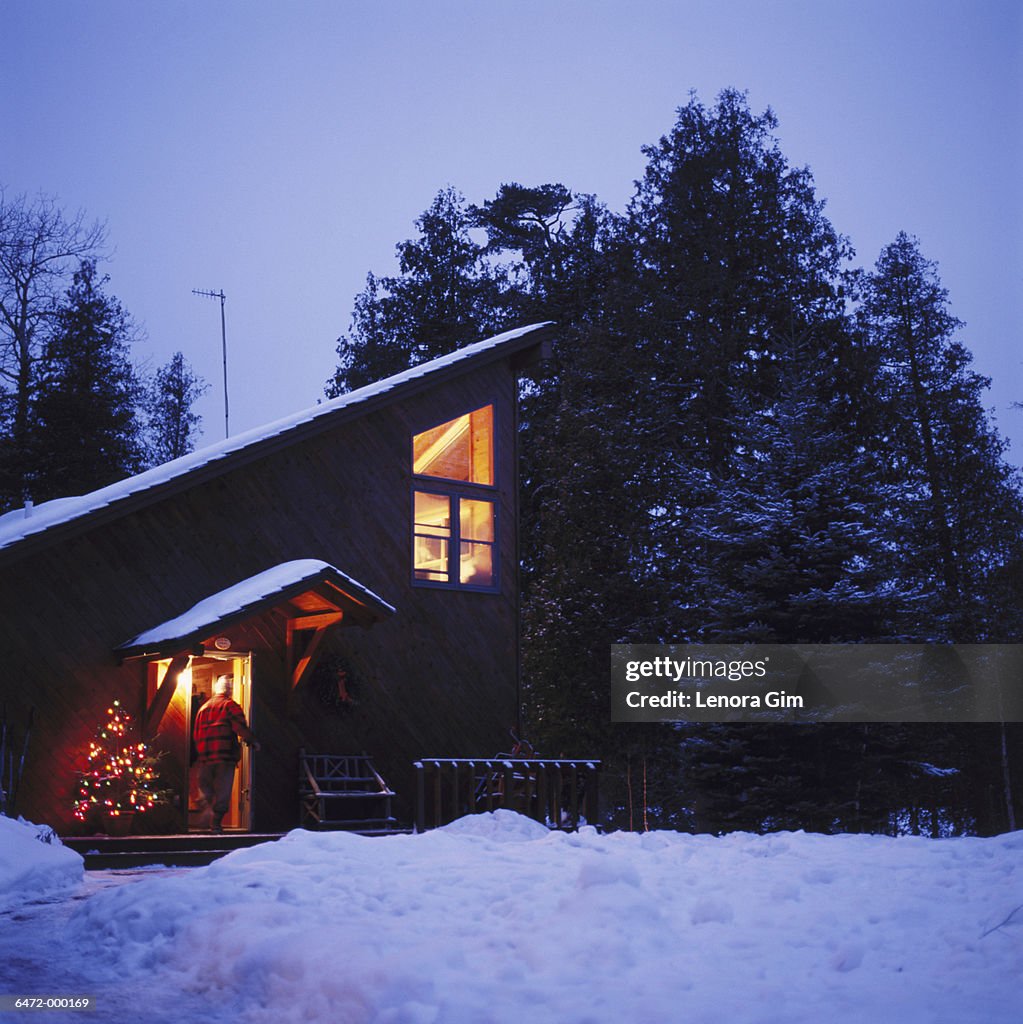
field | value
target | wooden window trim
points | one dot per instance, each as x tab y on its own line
433	482
455	496
455	491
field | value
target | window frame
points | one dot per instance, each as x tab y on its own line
455	491
456	481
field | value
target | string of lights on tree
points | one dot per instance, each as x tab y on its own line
120	777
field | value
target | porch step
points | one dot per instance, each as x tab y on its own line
193	850
186	850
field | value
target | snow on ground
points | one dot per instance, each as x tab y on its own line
495	920
33	861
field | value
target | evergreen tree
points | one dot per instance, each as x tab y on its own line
732	256
960	520
535	225
794	543
794	548
444	296
581	516
957	524
120	777
734	253
725	255
801	524
719	451
87	431
172	427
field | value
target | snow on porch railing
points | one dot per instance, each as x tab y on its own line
560	794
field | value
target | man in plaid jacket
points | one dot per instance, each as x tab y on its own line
218	726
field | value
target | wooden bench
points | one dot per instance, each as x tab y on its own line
343	791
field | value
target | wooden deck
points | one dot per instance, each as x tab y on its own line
561	794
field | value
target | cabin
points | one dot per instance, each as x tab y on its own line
353	569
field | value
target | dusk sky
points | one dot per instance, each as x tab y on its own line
279	151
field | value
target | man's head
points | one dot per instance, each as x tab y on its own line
223	686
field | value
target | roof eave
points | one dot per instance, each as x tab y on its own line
373	610
516	350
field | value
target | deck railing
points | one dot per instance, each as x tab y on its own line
560	794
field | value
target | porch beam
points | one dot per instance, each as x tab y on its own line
356	610
300	666
163	696
316	620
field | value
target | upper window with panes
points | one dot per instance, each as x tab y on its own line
454	529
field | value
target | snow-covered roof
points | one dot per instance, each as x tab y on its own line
247	596
21	523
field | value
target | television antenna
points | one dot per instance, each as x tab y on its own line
223	338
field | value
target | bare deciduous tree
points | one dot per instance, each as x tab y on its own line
40	249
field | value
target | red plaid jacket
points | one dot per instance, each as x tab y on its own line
217	727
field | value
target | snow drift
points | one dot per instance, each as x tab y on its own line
33	862
494	920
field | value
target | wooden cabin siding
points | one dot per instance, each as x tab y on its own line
437	678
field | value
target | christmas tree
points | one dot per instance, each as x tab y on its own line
121	776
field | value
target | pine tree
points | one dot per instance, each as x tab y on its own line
88	432
715	453
172	427
733	256
961	519
120	776
793	549
958	522
733	253
581	518
535	226
445	296
794	541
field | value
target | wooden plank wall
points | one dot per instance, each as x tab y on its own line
436	679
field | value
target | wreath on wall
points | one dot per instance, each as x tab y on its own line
334	685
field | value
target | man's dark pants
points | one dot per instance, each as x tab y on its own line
216	779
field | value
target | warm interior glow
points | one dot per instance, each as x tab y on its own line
476	537
183	685
192	688
432	537
461	449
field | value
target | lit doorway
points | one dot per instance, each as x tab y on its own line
194	688
204	671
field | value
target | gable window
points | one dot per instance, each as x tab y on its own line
461	449
453	533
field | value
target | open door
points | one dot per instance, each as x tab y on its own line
193	688
204	671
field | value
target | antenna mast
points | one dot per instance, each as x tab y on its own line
223	338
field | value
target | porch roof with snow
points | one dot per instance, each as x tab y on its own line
333	595
25	530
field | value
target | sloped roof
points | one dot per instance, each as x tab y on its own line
247	597
21	524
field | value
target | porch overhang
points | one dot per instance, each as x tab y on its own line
316	595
